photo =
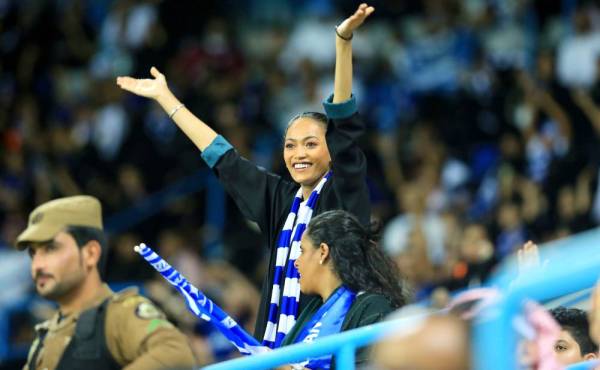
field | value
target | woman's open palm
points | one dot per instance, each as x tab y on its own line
147	87
355	20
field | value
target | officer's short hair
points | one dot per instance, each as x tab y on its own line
85	234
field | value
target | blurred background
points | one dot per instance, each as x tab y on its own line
483	130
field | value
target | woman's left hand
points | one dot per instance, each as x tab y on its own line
154	88
351	23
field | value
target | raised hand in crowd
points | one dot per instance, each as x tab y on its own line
528	257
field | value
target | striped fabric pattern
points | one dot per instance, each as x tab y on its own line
285	281
201	306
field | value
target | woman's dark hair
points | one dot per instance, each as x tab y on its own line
357	258
85	234
319	117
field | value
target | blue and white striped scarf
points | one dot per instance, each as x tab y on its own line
201	306
289	244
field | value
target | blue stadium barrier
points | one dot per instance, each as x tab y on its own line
573	265
587	365
341	345
578	299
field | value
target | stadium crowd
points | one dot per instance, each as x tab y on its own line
483	130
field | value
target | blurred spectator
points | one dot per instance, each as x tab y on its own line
126	267
474	261
580	49
438	342
14	274
414	221
512	232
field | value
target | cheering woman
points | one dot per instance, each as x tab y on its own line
322	156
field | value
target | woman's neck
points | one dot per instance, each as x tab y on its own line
306	190
329	283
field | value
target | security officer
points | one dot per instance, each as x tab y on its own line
94	327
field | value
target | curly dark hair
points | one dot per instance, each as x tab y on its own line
357	259
575	321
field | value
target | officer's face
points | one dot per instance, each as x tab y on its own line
57	268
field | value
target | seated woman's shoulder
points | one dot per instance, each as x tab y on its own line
369	308
374	299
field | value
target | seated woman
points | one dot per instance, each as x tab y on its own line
358	284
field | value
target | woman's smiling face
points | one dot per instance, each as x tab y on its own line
305	151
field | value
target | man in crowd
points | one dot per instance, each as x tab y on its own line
94	327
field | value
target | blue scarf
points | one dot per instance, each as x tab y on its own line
201	306
326	321
289	289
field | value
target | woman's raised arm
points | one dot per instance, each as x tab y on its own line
343	52
156	88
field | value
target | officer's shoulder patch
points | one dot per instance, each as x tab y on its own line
156	324
146	310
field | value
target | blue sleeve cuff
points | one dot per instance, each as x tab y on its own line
215	150
340	110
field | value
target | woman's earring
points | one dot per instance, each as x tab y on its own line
320	262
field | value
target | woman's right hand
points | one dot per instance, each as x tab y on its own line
154	88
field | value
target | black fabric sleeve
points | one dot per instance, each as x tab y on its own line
349	166
257	192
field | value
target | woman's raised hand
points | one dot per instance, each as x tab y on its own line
351	23
148	87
